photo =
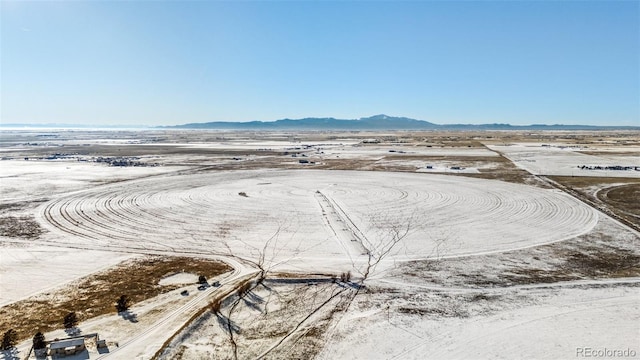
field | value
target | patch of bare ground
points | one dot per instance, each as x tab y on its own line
490	167
96	294
607	252
464	160
623	197
494	168
275	319
256	163
347	164
587	182
394	303
507	174
591	138
391	167
619	195
25	227
610	153
505	170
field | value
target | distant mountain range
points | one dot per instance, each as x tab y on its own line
377	122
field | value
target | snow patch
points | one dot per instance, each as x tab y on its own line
179	279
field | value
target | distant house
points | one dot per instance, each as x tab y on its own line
67	346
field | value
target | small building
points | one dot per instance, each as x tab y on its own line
67	346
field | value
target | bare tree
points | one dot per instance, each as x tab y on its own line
202	279
391	231
9	339
123	303
39	341
345	276
70	320
263	258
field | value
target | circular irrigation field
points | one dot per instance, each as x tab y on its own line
315	213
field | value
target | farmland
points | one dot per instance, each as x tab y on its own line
328	245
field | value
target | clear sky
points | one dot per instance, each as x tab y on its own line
161	62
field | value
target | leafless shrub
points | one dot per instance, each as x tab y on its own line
20	226
345	276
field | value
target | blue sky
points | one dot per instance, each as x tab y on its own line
148	63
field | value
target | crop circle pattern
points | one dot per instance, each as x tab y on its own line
203	212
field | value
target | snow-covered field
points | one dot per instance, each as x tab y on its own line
564	161
316	215
549	323
22	180
27	270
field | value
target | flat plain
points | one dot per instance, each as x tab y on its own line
350	245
